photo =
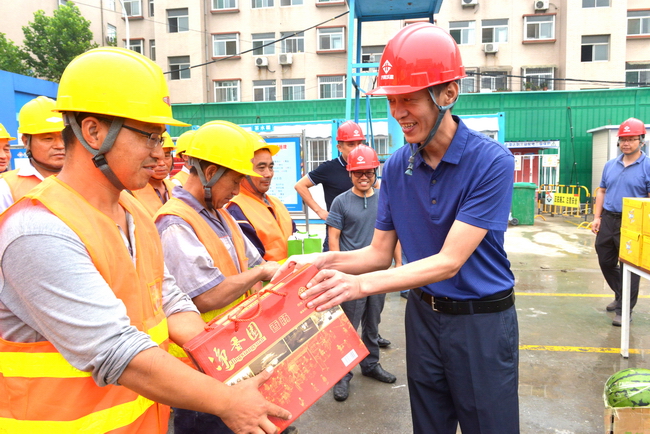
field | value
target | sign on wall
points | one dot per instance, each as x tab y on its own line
287	171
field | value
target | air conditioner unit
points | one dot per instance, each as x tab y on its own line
285	59
261	61
465	3
541	5
491	48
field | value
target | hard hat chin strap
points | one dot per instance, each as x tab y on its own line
442	110
99	157
34	161
207	185
255	189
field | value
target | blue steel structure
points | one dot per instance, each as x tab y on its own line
377	10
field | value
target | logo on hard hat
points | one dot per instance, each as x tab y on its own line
626	129
356	133
167	101
360	159
386	67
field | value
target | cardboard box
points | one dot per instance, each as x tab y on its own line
310	351
633	213
631	246
633	420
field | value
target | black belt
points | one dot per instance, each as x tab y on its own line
616	215
467	307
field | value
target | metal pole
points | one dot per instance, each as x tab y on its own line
126	20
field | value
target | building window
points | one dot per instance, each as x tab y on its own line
538	78
178	20
371	54
380	146
293	89
316	152
331	39
494	30
110	5
290	2
111	35
262	4
595	3
637	75
136	45
468	84
152	49
638	23
463	32
151	8
133	8
494	81
539	27
226	91
264	90
179	67
224	4
259	44
331	87
595	48
226	44
294	44
63	2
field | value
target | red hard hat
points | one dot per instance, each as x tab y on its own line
362	157
420	55
631	127
349	132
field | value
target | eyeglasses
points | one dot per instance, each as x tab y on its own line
369	174
154	140
628	139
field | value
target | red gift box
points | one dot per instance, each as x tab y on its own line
310	351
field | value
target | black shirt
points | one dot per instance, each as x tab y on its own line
334	177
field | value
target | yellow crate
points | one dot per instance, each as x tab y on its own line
646	217
645	252
631	246
633	213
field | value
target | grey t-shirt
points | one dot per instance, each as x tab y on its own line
356	222
51	290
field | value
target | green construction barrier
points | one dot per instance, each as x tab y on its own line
523	203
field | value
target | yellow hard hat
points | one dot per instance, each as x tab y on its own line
116	82
183	141
37	117
168	142
260	143
4	134
225	144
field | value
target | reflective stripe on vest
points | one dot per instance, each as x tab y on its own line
39	390
272	232
19	185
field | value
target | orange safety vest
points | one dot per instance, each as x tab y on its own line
215	247
20	185
181	176
148	197
39	390
272	232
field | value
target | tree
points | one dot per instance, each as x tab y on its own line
12	57
54	41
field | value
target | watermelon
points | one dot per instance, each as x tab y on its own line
628	388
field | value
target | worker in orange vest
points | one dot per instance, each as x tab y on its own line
263	218
41	135
87	307
204	248
159	189
5	148
182	144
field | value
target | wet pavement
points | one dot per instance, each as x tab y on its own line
568	347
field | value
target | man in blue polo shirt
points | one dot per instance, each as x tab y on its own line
627	175
446	196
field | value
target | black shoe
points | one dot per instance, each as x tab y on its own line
618	320
379	374
290	430
611	307
342	389
382	343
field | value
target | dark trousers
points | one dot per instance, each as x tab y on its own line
195	422
462	369
608	243
367	313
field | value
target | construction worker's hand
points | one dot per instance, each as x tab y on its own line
322	214
268	269
248	410
329	288
296	262
595	225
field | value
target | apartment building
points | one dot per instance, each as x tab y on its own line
265	50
